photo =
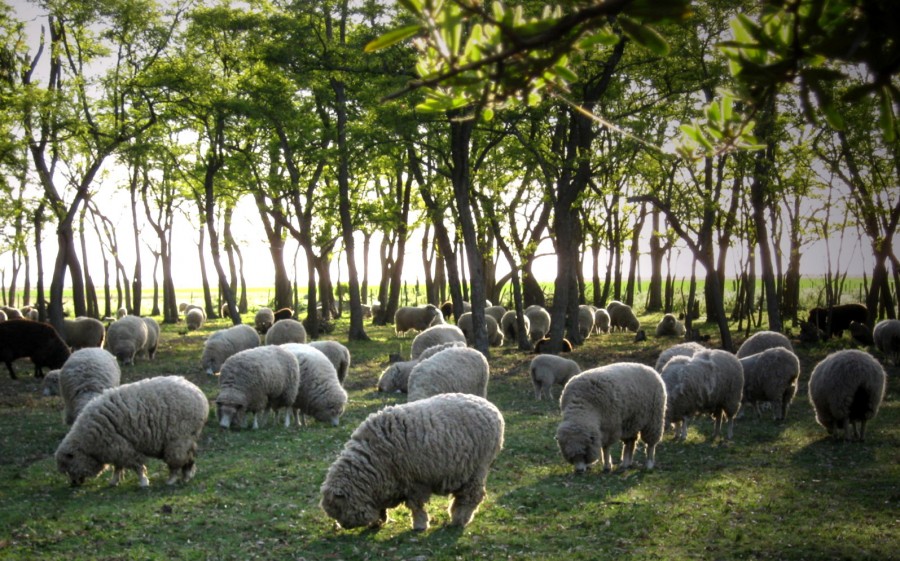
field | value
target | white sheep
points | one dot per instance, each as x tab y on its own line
709	382
158	417
255	381
621	316
50	384
601	320
771	376
539	322
194	318
846	389
224	343
404	453
409	318
338	354
83	332
319	393
85	375
436	335
669	326
585	320
762	340
688	349
126	337
457	369
495	336
495	312
121	312
286	331
602	406
152	337
395	377
264	319
549	370
886	337
510	327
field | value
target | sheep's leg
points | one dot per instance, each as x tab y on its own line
287	417
607	459
651	455
717	424
466	500
416	505
118	474
141	471
730	427
538	391
628	452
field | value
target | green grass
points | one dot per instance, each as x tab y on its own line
778	491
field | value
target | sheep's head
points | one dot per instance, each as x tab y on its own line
351	509
230	413
579	444
330	414
77	465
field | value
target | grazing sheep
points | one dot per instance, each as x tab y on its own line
495	336
601	320
539	322
669	326
12	313
771	376
84	376
604	405
809	333
121	312
457	369
224	311
286	331
38	341
687	349
283	313
366	310
841	316
3	316
264	319
436	335
846	389
510	327
541	346
319	393
622	317
126	337
50	385
547	370
405	453
410	318
395	377
194	318
152	337
886	337
338	354
447	308
495	312
861	333
83	332
254	381
762	340
225	343
709	382
158	417
585	320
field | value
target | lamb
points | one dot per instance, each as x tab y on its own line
84	376
762	340
126	337
83	332
457	369
709	382
152	337
539	320
621	316
225	343
194	318
264	319
254	381
886	337
495	336
404	453
158	417
585	320
286	331
50	385
602	406
495	312
841	316
510	327
688	349
435	335
410	318
547	370
601	320
846	389
338	354
319	393
38	341
669	326
771	376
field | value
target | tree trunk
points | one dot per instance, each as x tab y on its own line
657	253
136	281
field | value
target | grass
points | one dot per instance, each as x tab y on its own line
778	491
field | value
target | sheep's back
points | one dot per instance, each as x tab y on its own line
453	370
267	376
847	384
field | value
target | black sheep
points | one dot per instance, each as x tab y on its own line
541	345
38	341
841	316
284	313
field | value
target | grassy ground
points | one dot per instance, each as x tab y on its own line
779	491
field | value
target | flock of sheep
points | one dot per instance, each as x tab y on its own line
447	435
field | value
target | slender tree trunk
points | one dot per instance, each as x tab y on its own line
136	280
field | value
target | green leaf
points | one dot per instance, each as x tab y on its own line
413	6
604	36
644	35
565	73
886	118
392	37
487	115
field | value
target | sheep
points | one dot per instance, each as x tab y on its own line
152	337
886	337
585	321
539	320
669	326
621	316
366	310
286	331
841	316
510	327
604	405
846	389
225	343
435	335
158	417
709	382
29	312
771	376
319	393
541	346
3	316
338	354
264	319
687	349
495	336
224	311
283	313
12	313
601	321
84	376
495	312
457	369
402	454
121	312
194	318
435	349
762	340
861	333
83	332
547	370
410	318
395	377
254	381
50	385
38	341
447	308
126	337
